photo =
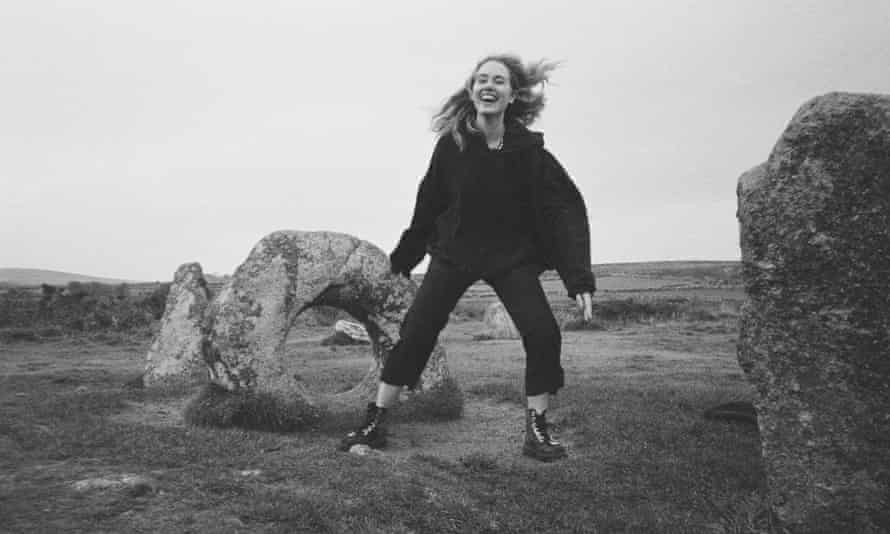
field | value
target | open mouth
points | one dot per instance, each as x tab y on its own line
488	97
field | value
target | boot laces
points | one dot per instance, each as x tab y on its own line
539	427
368	428
371	421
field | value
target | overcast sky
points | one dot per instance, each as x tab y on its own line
136	136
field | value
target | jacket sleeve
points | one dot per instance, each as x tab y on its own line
566	216
429	204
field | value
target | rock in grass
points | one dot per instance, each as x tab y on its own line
364	450
498	323
347	333
815	330
136	485
354	331
175	356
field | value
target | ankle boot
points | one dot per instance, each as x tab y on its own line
370	433
539	444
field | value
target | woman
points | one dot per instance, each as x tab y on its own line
494	205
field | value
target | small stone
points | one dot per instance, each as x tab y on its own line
137	484
250	473
364	450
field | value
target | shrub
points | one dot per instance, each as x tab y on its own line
217	407
156	301
18	334
580	324
643	309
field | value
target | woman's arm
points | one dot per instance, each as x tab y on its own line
430	202
566	216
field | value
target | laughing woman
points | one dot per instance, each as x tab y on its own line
496	206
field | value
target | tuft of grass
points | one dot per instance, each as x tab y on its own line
12	335
499	392
580	324
443	403
216	407
479	462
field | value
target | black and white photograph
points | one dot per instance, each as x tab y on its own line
410	267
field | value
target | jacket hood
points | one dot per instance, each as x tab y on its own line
518	137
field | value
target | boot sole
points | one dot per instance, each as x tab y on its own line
532	452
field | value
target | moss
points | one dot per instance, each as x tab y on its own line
215	406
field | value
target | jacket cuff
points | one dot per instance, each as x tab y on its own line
587	284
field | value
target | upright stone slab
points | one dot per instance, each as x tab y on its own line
815	330
498	323
175	356
286	273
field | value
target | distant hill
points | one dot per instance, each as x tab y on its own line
728	272
35	277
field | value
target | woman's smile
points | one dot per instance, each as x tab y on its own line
491	91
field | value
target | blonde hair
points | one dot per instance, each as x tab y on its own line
457	115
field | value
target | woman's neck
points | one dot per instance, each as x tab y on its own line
492	127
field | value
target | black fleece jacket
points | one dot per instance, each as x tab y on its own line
491	210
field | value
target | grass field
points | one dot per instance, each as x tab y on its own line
641	456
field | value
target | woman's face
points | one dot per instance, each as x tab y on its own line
491	91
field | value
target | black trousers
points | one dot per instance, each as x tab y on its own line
521	292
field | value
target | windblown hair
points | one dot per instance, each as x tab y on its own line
457	115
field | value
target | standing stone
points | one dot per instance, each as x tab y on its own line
498	323
815	330
286	273
175	355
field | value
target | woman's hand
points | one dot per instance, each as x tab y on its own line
585	305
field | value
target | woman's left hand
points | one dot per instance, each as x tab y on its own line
585	305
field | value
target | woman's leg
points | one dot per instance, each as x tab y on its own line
539	403
387	394
521	292
439	292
